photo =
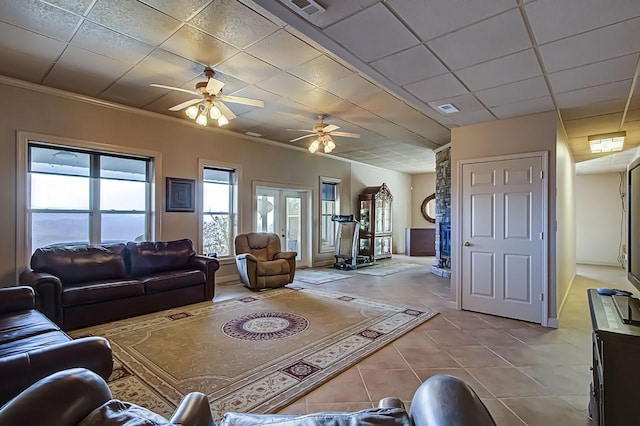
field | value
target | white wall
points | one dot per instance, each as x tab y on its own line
565	258
182	144
530	133
422	185
600	220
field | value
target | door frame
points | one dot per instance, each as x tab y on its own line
456	255
307	223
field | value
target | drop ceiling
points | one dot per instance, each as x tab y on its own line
378	68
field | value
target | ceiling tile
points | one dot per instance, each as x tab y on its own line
321	71
39	17
318	99
181	10
337	10
27	55
435	18
515	92
529	106
495	37
84	72
603	92
593	46
197	46
508	69
134	19
443	86
233	23
594	74
409	66
106	42
160	62
361	33
76	6
471	110
352	88
254	92
552	19
133	88
283	50
592	110
247	68
285	84
169	99
592	126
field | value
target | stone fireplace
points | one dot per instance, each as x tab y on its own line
442	267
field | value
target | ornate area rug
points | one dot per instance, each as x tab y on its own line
252	354
318	277
381	269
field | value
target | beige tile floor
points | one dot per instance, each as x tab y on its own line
526	374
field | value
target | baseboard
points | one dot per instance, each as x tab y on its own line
552	322
228	279
587	262
564	298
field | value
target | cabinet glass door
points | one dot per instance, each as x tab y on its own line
365	215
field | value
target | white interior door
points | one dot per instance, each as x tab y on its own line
283	212
502	234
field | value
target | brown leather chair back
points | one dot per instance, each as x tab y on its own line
263	246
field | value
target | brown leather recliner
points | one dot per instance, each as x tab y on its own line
261	263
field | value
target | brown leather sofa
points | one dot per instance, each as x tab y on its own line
78	396
32	347
261	263
71	397
83	285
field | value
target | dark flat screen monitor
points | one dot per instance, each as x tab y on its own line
633	223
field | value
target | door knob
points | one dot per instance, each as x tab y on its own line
467	243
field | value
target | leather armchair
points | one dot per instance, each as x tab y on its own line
70	397
261	263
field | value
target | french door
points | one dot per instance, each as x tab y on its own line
285	212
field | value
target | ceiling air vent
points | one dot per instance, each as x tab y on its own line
304	7
447	108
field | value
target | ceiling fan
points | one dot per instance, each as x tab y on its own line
209	101
323	131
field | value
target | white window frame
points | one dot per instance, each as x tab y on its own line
23	225
235	215
322	247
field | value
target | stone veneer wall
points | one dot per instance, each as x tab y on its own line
443	210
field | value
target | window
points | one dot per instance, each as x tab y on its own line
329	205
218	210
81	196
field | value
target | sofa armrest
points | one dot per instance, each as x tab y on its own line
20	371
63	398
446	400
194	410
209	265
48	290
14	299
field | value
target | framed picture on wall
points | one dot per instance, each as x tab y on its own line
180	195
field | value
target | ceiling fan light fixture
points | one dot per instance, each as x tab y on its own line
202	119
192	112
314	146
606	142
222	120
214	112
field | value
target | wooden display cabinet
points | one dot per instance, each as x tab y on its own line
375	222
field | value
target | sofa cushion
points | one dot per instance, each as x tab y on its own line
76	264
101	291
115	412
273	267
372	416
170	280
28	344
24	324
150	257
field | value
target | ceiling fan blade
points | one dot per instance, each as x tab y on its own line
179	89
185	104
301	130
225	110
345	134
302	137
214	86
243	101
330	128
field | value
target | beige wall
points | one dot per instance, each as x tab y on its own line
181	145
565	218
530	133
600	220
422	185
